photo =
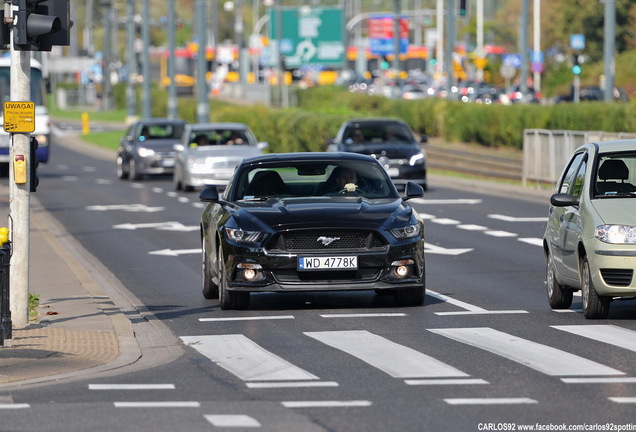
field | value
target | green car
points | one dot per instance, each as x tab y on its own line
590	239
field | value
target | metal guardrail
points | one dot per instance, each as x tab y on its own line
545	152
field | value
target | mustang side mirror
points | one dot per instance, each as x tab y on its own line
413	190
209	194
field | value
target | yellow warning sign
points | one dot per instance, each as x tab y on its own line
19	117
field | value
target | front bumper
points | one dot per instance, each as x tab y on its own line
279	271
612	269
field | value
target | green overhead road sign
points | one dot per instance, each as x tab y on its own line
309	36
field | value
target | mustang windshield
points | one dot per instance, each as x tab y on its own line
616	175
311	179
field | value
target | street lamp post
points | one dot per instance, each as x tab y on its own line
131	97
146	96
173	108
608	48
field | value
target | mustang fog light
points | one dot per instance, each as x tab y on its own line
251	272
402	268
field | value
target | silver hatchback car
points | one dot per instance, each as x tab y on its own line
208	153
590	238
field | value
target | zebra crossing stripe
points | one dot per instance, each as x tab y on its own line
245	359
545	359
231	420
610	334
396	360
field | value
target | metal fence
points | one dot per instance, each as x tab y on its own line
545	152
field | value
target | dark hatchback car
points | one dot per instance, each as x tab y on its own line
392	142
311	222
147	148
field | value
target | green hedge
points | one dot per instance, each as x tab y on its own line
321	110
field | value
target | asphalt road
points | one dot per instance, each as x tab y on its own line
484	353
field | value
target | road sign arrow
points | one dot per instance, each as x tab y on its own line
438	250
164	226
125	207
175	252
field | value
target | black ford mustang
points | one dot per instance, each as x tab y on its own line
311	222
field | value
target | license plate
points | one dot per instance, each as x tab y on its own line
167	163
328	263
393	172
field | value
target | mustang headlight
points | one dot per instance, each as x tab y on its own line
616	234
408	231
416	159
145	152
238	235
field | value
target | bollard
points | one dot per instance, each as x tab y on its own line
86	125
5	310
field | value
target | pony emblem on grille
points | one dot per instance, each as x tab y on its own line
326	241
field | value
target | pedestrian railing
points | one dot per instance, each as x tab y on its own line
545	152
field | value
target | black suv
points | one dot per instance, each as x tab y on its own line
390	141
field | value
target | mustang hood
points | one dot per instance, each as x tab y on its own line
330	211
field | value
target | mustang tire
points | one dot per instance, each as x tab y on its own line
559	297
594	305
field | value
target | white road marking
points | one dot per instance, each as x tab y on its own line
184	199
231	420
157	190
489	401
326	404
610	334
363	315
14	406
168	404
455	302
532	241
162	226
103	181
486	312
198	205
452	381
69	178
239	355
253	318
623	400
137	186
293	384
131	387
545	359
175	252
446	201
471	227
89	169
622	380
439	250
396	360
517	219
496	233
445	221
126	207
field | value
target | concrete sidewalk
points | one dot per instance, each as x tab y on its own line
88	323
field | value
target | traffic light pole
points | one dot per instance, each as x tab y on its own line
19	196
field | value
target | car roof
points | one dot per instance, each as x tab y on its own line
616	146
218	125
308	157
375	120
160	120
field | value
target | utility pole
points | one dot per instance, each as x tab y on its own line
131	96
173	107
19	195
536	28
523	46
609	34
203	108
146	96
106	60
451	10
397	9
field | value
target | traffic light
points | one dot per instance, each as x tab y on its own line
41	24
462	7
576	65
33	164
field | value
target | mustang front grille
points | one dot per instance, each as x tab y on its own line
322	240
